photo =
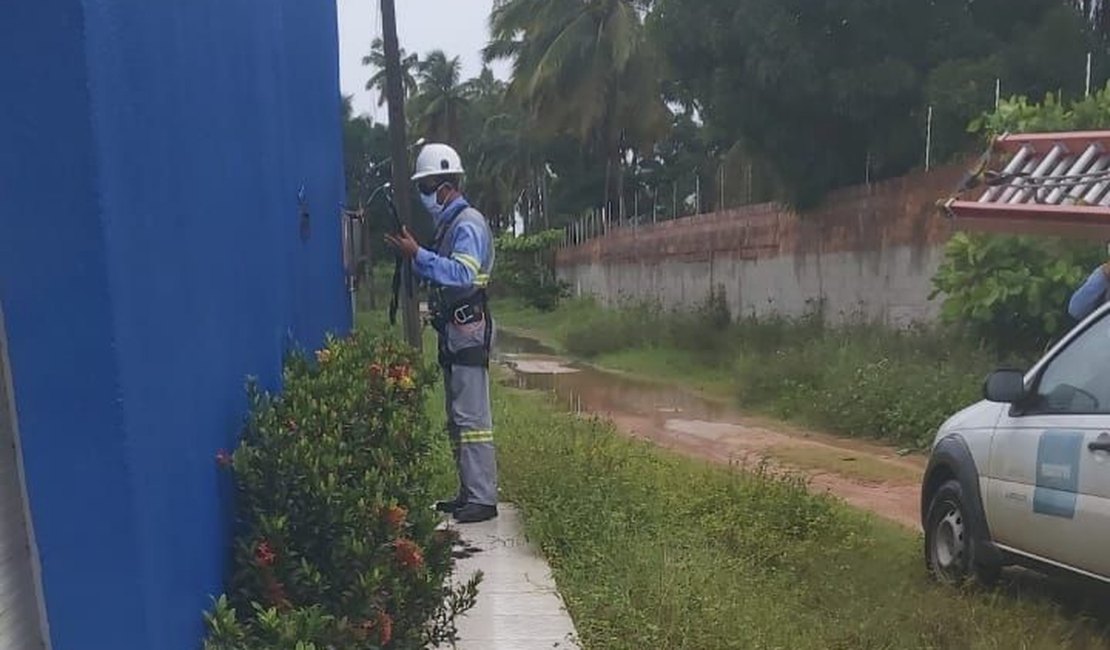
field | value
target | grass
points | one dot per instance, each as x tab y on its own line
859	380
651	550
654	551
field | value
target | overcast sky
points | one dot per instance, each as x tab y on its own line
458	27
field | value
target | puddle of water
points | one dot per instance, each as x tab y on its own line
585	389
536	365
708	429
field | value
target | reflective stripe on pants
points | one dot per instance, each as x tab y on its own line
470	423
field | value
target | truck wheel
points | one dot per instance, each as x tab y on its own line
949	549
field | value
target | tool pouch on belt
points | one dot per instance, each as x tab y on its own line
468	325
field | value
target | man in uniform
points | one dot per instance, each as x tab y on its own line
458	268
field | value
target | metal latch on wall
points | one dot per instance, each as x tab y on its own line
303	214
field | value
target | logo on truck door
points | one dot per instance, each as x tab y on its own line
1057	487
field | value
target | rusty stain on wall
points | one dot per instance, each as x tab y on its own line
899	212
869	240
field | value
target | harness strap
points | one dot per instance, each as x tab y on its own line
467	310
462	313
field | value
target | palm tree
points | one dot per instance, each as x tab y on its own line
505	164
583	68
485	87
440	99
376	60
492	181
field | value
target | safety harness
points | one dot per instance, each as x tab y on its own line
468	309
465	312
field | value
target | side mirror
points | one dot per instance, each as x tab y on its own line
1005	387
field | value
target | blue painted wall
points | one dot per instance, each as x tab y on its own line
151	259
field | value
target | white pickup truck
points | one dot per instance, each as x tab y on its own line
1023	477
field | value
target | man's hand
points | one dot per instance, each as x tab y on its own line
404	243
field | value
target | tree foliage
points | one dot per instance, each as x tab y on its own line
825	93
375	60
1012	292
659	108
527	268
586	70
1019	115
441	99
1097	12
365	143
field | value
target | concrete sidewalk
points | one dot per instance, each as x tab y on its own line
518	606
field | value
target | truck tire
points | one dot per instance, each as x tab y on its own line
949	540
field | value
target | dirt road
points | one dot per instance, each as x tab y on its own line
866	476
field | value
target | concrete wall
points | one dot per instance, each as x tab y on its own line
868	251
151	258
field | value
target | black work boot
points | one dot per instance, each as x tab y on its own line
450	507
473	513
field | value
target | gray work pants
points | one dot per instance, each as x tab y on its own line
470	420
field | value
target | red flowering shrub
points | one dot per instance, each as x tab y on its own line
395	517
336	546
408	555
263	555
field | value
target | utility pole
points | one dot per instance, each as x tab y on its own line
395	95
697	193
929	139
1089	62
721	203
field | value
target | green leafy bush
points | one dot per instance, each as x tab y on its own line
335	546
864	380
1019	115
1012	292
526	268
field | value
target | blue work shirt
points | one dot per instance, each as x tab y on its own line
470	250
1090	296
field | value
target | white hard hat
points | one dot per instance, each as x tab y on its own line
437	160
